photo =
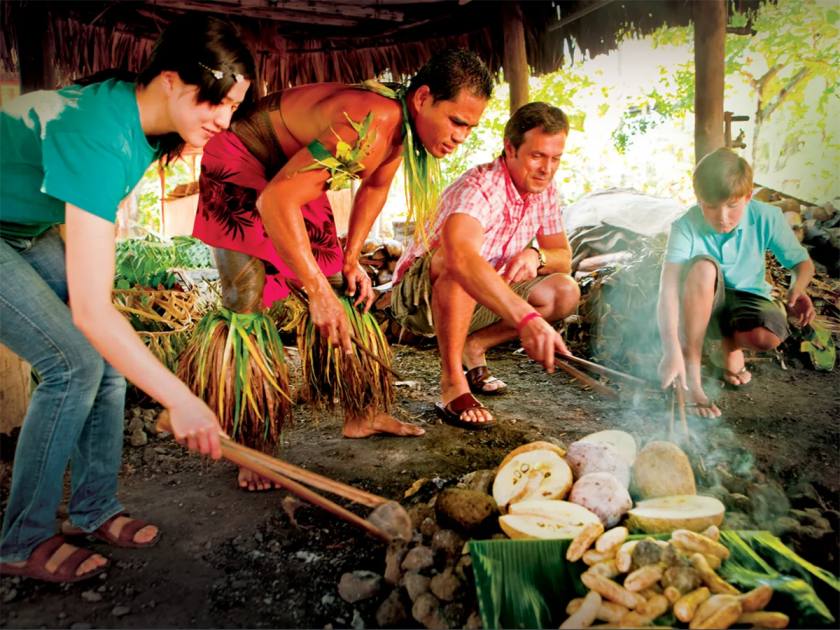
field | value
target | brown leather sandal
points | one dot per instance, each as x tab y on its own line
124	539
36	564
452	412
479	377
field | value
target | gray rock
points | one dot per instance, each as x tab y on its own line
768	501
479	480
455	614
149	414
783	525
428	528
394	557
80	625
464	510
419	558
419	512
120	611
9	596
426	610
473	621
327	600
463	568
448	543
738	520
415	584
359	585
445	586
139	438
135	424
358	623
91	596
391	611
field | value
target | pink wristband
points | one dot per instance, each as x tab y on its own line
522	322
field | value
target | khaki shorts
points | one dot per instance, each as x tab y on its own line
411	300
736	311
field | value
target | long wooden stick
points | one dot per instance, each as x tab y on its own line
587	380
595	367
304	476
681	406
232	449
244	458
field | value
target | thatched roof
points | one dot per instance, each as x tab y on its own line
302	41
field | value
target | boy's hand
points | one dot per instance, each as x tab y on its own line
672	369
800	306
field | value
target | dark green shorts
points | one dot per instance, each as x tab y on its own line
738	311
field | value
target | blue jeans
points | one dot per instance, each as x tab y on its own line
76	412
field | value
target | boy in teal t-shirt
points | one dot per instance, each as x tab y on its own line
713	278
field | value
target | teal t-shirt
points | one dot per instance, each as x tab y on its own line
78	145
740	252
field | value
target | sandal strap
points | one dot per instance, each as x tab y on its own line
463	403
45	550
67	569
130	529
478	375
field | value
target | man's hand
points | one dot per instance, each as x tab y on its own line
672	369
541	342
358	284
800	306
329	317
523	266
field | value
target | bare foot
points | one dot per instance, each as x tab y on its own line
374	422
143	536
65	551
734	368
700	405
251	481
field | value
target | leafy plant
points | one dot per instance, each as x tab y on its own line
148	262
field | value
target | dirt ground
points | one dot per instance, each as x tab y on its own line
229	558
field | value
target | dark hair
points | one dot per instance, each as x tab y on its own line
533	115
452	70
722	175
204	51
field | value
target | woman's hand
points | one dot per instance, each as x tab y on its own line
195	426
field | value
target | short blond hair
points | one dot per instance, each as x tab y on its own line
722	175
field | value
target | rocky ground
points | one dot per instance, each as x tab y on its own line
230	558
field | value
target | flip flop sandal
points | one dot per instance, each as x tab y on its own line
36	564
452	412
124	539
479	377
732	374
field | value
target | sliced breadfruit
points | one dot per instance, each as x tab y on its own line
665	514
530	526
591	457
662	469
565	512
537	474
621	441
539	445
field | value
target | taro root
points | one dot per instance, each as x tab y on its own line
683	577
602	494
591	457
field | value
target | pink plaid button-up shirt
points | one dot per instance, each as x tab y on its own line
510	220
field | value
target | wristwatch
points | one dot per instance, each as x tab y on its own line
541	255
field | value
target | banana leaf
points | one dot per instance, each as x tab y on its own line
527	583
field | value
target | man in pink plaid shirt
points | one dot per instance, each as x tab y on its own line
478	280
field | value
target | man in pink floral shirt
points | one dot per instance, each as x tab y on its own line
478	280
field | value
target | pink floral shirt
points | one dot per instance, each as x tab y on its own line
510	220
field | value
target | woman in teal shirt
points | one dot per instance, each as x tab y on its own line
69	156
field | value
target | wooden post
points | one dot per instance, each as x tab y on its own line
709	41
37	70
515	62
14	389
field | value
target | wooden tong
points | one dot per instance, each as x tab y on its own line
678	402
563	364
288	477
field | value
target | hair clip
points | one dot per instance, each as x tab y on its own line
218	74
238	77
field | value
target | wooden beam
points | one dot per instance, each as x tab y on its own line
235	8
573	17
515	61
709	42
355	9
